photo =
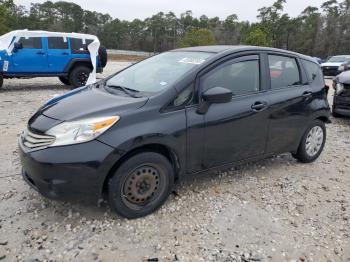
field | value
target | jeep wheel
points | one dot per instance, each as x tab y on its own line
1	80
103	56
64	80
79	76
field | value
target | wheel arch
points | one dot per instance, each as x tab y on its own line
156	148
78	62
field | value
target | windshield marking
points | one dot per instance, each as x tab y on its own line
192	60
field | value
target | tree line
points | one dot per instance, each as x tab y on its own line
316	31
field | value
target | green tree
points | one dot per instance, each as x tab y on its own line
257	37
198	37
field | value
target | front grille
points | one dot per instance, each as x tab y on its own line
330	71
35	141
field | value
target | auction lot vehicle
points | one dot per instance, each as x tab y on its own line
69	56
134	134
341	100
336	65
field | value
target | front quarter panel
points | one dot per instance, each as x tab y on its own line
149	127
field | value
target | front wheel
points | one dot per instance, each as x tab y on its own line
312	143
79	76
140	185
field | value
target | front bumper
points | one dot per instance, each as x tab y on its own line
341	105
74	172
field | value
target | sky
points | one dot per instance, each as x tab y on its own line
130	9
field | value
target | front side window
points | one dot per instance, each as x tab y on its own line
241	77
58	43
31	42
159	72
284	71
314	73
184	98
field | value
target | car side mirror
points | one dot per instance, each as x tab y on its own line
215	95
18	46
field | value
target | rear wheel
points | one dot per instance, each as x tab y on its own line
312	143
1	80
102	53
140	185
64	80
79	76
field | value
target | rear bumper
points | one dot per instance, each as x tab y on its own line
75	172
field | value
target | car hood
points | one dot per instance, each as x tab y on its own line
332	64
344	78
89	102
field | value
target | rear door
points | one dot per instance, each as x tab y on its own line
289	98
59	54
32	58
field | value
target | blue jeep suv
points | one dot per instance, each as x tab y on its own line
26	54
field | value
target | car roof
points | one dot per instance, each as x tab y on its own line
217	49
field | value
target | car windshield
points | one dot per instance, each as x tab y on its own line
159	72
339	59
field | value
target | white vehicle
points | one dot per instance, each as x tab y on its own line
335	65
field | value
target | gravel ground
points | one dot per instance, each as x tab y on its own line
273	210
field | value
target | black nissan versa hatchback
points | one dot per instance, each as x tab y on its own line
182	112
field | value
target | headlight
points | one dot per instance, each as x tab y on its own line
339	88
343	68
75	132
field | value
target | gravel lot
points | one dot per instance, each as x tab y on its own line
273	210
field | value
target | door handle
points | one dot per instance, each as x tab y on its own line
41	53
65	53
259	106
307	94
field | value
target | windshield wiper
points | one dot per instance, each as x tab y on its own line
129	91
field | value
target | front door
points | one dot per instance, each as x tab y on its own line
32	58
236	130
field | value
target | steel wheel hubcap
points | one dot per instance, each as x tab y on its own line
141	185
314	141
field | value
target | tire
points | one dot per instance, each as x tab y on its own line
335	115
1	80
103	56
64	80
79	76
140	185
303	154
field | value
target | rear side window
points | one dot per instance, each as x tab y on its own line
314	73
284	71
240	77
77	44
31	42
58	43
